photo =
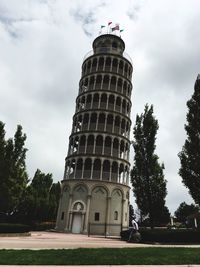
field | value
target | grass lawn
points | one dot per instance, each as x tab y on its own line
101	256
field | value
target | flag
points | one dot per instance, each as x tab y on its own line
110	22
102	26
115	28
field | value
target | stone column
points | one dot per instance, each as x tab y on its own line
99	104
92	101
106	117
108	215
86	142
112	142
92	169
101	171
122	214
104	63
83	168
75	168
116	84
69	217
110	174
103	148
107	101
95	139
109	83
97	122
89	121
87	214
102	78
94	82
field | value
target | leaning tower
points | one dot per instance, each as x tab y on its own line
95	188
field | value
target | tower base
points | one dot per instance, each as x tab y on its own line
93	207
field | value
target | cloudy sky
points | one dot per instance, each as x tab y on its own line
42	45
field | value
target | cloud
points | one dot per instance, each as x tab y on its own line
87	15
42	45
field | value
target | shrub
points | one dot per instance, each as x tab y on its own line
14	228
167	235
43	226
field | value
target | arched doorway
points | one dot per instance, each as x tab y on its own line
78	218
77	223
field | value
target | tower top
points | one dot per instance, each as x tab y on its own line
198	77
108	43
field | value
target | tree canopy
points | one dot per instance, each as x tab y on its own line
20	199
147	177
184	210
190	154
13	174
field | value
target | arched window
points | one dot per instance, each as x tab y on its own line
91	83
114	172
99	144
88	101
106	170
97	169
119	86
103	101
107	148
115	147
98	81
87	168
105	82
101	122
116	215
113	83
108	64
115	64
109	124
94	64
82	144
101	63
90	144
79	169
114	45
118	104
96	101
93	121
85	121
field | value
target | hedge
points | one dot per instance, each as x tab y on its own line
43	226
167	235
13	228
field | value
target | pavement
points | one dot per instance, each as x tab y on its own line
53	240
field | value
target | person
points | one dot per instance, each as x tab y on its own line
134	228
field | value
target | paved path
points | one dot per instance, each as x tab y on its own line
52	240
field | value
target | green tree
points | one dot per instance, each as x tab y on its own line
190	154
35	206
149	185
54	197
3	180
184	210
131	214
13	175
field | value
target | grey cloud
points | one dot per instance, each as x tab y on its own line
86	18
134	9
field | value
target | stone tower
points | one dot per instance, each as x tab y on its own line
95	190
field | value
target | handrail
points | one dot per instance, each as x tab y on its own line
107	50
